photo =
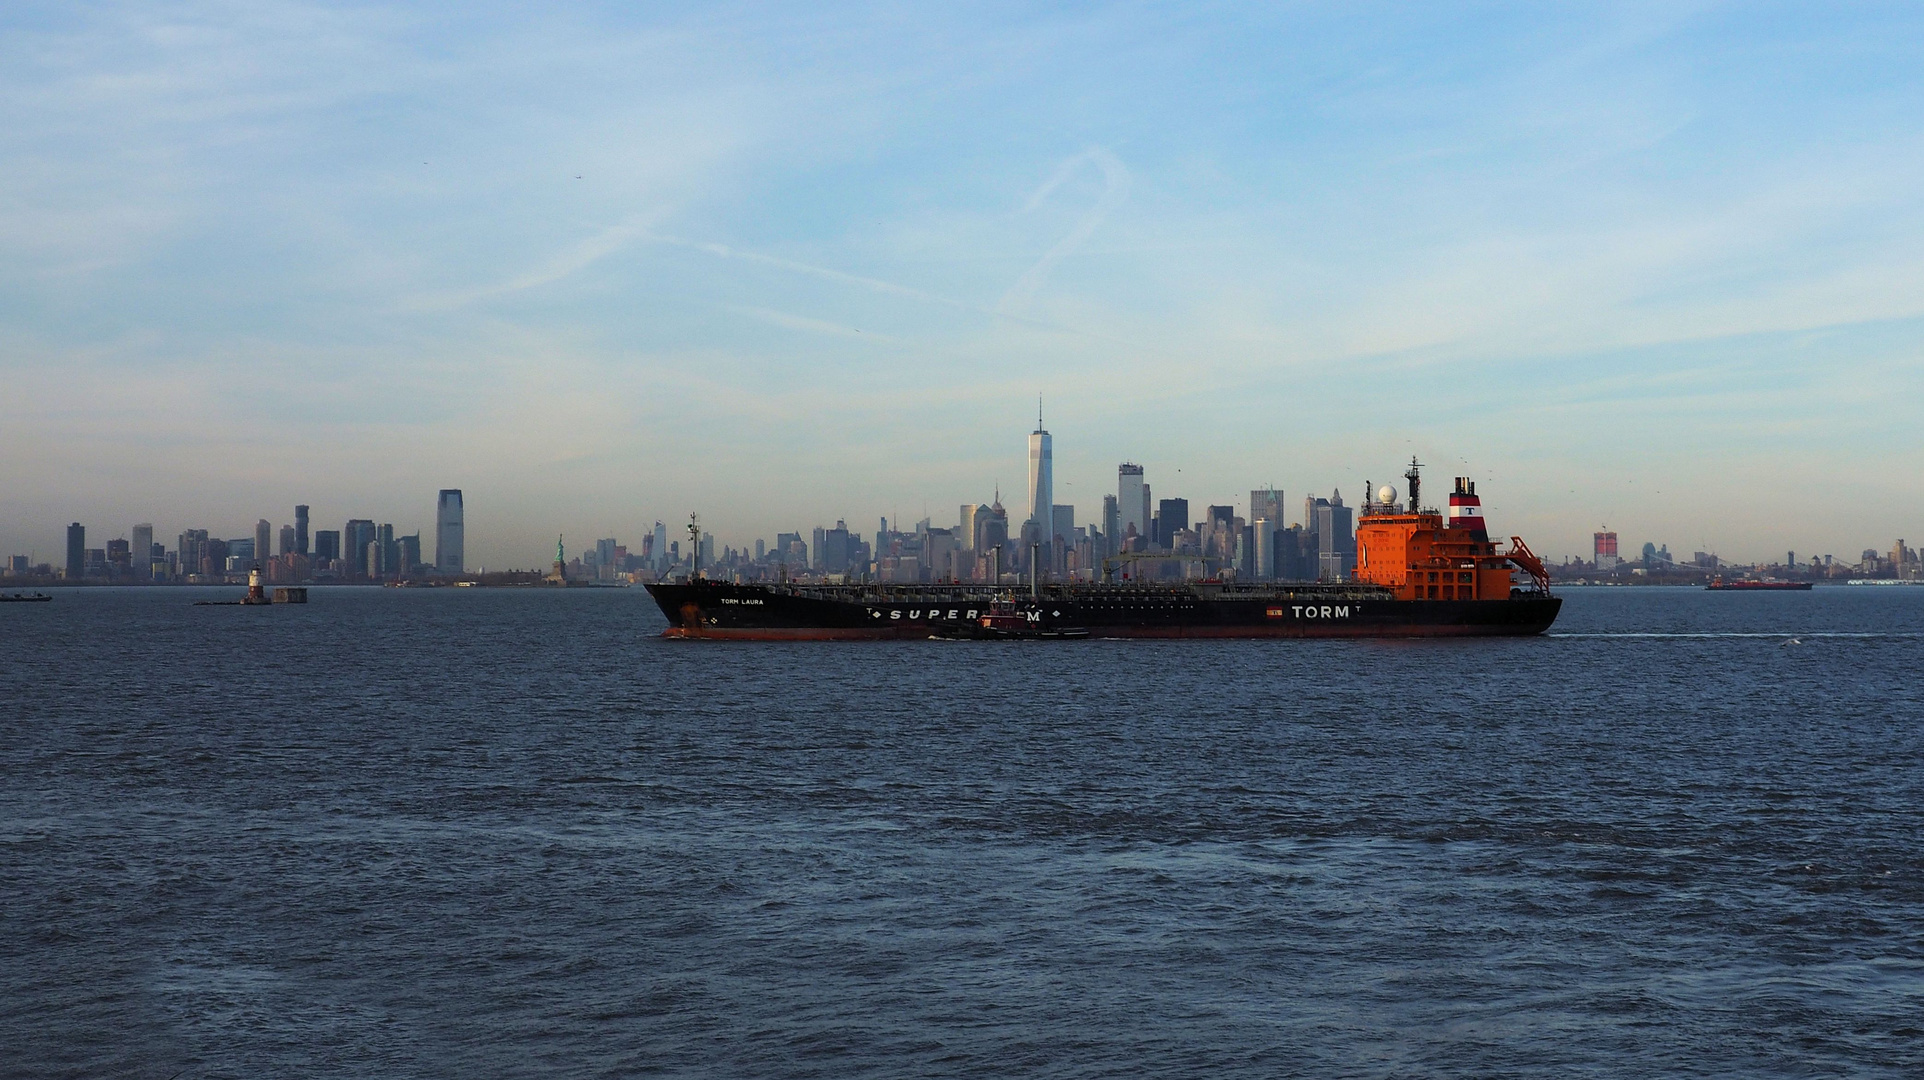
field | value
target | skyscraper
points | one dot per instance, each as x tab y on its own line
1132	502
450	555
1335	539
1041	478
1267	503
1265	540
1172	517
384	556
143	552
1062	522
263	538
300	530
356	535
76	551
1111	518
968	531
191	548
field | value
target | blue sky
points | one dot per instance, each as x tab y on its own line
1653	267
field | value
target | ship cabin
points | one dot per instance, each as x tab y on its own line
1423	556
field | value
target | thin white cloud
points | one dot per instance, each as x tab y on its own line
1115	190
568	262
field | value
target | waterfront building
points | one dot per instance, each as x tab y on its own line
76	551
1605	550
300	530
191	549
120	558
143	551
356	535
386	555
213	557
287	541
450	541
263	540
327	546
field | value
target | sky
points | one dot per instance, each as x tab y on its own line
1656	267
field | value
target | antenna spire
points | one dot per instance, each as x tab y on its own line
1038	412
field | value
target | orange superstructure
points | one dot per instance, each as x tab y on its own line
1424	557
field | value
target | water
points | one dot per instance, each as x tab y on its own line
511	833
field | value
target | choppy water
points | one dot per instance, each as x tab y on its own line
510	833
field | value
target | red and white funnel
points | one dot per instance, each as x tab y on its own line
1466	510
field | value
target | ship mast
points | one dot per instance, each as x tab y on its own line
1415	477
694	546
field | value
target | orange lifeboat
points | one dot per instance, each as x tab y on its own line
1423	556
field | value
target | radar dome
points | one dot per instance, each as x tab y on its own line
1386	494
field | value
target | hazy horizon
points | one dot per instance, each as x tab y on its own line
1652	268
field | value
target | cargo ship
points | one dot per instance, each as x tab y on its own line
1754	585
1417	574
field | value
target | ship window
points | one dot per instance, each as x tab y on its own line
1464	576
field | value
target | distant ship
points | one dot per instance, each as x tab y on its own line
1417	575
1751	585
23	598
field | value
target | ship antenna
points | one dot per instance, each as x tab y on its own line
1415	478
694	544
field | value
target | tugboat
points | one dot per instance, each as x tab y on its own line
1006	621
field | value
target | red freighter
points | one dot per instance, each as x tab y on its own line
1417	574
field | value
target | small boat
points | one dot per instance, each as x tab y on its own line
1006	621
25	598
1754	585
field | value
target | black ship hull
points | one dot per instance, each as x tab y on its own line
719	610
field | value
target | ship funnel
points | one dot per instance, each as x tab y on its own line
1466	510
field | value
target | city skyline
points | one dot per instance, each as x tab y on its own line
1131	482
1644	268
